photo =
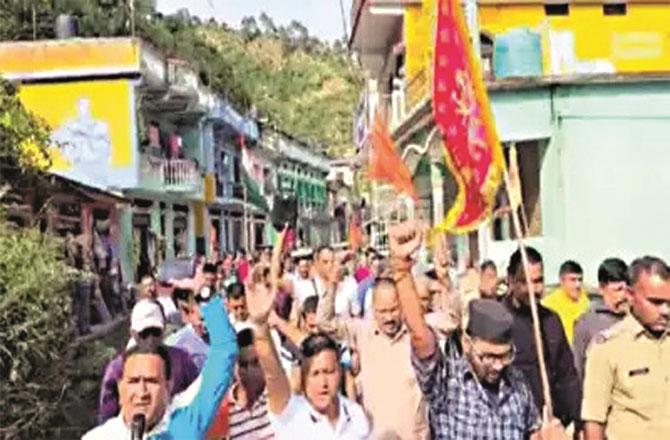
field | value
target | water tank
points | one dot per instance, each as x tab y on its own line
66	26
517	53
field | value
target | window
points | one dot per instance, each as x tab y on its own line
486	46
614	9
557	9
529	157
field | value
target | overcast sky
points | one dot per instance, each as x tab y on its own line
321	17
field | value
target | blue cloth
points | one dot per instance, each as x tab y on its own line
364	288
460	408
193	421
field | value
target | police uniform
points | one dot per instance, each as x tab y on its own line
627	382
587	327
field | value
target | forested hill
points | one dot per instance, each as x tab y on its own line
286	77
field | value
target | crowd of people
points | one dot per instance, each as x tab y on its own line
334	344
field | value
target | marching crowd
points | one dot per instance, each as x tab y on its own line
333	344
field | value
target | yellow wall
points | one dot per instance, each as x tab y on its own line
93	125
636	42
419	32
52	58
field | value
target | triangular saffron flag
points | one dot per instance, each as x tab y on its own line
386	165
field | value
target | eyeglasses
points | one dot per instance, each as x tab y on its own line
491	358
156	332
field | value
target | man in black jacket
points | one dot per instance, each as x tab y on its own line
564	382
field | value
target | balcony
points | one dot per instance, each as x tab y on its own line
171	175
377	26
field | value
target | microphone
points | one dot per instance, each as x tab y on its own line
137	426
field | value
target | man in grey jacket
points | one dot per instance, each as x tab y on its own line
613	281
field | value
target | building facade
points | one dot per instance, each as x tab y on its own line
174	168
566	81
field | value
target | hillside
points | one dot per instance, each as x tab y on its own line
301	86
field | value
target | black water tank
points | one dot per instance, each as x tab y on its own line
66	26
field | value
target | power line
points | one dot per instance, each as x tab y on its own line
344	22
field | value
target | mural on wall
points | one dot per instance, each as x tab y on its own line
84	140
93	129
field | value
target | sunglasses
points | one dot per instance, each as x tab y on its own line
155	332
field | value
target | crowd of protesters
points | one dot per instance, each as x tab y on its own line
334	344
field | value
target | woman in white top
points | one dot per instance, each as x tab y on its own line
321	412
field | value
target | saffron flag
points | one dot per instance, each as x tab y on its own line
463	116
355	232
386	165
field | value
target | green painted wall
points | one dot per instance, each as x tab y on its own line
604	173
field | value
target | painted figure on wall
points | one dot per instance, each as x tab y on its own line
85	140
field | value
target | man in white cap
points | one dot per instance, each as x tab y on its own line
147	325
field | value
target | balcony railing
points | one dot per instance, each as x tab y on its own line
174	175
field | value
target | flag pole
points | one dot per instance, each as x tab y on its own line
539	346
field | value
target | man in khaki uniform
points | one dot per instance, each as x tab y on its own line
627	381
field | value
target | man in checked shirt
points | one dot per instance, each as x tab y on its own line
476	395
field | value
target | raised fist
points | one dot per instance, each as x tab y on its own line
404	241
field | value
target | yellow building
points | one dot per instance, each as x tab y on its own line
588	36
572	41
577	36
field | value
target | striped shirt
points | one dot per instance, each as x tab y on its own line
250	423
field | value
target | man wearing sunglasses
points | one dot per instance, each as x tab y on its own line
626	383
146	329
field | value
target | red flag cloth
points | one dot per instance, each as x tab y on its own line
463	115
386	165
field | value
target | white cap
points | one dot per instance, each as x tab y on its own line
146	314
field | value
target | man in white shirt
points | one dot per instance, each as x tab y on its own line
236	303
346	297
303	283
321	412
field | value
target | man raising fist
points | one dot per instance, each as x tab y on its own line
477	394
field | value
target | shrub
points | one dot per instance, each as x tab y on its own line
35	331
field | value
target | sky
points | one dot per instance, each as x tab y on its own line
321	17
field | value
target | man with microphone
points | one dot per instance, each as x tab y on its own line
147	412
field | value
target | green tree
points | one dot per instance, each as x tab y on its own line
24	138
35	304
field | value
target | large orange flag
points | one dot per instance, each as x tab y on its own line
386	165
462	113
